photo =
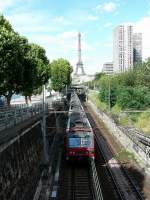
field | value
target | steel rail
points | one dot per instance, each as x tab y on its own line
118	189
96	184
131	133
140	197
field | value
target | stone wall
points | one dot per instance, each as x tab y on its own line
19	166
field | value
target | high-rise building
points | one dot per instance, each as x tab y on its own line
108	68
123	48
137	48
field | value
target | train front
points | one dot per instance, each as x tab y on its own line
79	144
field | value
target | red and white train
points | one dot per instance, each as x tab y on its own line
79	140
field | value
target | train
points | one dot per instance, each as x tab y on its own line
80	90
79	139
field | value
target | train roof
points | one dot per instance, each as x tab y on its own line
77	116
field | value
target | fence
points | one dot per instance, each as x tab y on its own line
11	116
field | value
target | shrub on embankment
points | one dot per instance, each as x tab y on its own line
128	91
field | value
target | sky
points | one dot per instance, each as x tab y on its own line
54	24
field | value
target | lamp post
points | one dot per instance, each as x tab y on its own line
44	129
109	96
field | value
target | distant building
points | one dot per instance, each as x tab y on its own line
137	48
123	48
108	68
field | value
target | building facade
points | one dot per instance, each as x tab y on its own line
123	48
137	48
108	68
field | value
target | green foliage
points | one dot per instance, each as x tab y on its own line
130	90
142	122
94	84
12	50
4	24
126	156
24	67
106	89
124	120
116	109
37	70
94	97
133	97
98	76
60	74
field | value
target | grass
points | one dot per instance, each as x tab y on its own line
143	123
125	156
93	96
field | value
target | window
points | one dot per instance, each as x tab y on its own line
74	142
83	140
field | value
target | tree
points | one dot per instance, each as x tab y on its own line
5	24
12	50
24	67
98	76
108	83
60	74
37	70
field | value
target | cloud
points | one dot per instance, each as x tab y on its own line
92	18
65	45
32	22
60	45
107	7
142	27
4	4
108	24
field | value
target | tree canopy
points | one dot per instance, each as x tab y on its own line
60	74
37	69
129	90
23	66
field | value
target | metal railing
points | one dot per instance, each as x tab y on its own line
96	184
11	116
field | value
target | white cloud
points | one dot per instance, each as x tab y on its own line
92	18
142	26
7	3
61	20
108	24
65	45
107	7
32	22
50	34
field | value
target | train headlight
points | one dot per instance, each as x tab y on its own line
87	152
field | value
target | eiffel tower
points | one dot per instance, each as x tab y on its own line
79	64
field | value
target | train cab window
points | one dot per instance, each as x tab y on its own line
74	142
80	139
86	142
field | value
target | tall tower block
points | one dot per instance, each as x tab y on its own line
79	64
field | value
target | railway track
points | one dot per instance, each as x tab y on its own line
121	183
108	184
75	183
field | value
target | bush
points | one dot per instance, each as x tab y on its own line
143	122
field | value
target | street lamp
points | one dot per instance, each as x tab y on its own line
44	129
109	96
